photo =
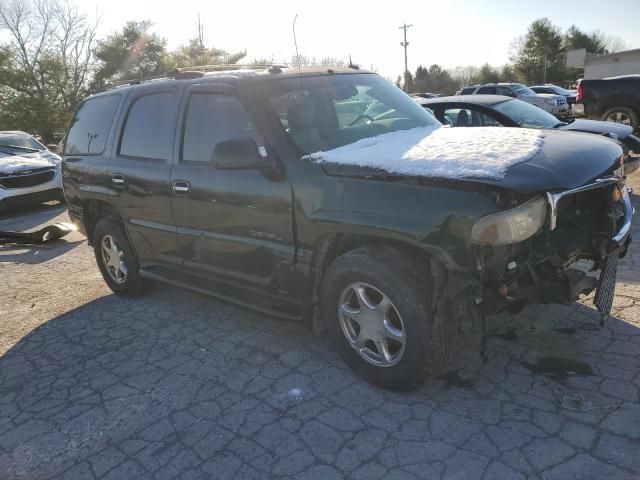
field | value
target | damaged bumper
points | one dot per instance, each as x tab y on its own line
588	229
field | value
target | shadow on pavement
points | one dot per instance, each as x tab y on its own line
36	254
179	384
29	217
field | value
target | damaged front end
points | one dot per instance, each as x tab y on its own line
577	232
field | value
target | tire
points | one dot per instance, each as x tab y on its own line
109	232
622	115
384	272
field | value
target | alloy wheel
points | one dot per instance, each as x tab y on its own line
619	117
372	324
113	259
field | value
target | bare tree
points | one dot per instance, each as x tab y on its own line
47	63
306	62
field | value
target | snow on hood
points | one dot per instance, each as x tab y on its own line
14	163
478	152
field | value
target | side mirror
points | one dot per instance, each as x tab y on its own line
239	154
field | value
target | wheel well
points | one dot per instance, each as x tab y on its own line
331	248
94	210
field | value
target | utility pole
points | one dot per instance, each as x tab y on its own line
405	44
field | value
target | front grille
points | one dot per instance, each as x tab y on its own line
31	178
592	210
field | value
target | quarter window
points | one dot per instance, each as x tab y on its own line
91	124
213	118
149	128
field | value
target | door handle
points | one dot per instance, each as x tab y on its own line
181	187
117	179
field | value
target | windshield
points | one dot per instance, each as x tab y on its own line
321	113
561	91
17	140
522	89
526	115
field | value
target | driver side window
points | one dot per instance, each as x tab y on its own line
213	118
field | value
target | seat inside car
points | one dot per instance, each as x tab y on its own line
463	119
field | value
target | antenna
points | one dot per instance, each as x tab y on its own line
295	42
304	104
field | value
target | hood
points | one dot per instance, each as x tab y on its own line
521	160
544	95
10	164
599	127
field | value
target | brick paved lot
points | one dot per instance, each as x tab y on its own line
178	385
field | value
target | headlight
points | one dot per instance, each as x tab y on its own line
511	226
550	101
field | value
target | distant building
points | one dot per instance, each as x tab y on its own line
598	66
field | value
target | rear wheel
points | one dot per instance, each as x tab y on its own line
116	259
376	305
622	115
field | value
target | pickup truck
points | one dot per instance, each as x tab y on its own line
615	99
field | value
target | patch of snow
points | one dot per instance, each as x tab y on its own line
14	163
477	152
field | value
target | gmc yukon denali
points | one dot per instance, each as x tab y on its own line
330	197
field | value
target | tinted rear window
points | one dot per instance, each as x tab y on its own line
150	127
467	91
91	125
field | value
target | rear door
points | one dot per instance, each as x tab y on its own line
140	173
234	226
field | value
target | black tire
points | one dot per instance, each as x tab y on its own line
622	112
133	284
408	285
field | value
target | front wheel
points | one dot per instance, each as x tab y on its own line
377	309
116	259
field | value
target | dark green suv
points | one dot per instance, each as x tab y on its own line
330	197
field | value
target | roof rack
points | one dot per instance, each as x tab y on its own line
197	71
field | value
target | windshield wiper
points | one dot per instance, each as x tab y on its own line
18	147
561	124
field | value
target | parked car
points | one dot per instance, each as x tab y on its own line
554	104
615	99
425	95
570	95
497	110
29	173
387	230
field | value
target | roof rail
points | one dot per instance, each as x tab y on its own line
197	71
234	66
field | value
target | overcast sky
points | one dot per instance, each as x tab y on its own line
451	33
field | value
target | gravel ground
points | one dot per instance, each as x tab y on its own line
178	385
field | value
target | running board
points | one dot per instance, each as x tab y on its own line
220	296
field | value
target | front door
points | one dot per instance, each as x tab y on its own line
234	226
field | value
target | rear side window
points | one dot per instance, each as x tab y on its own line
487	90
213	118
91	125
504	91
150	126
467	91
